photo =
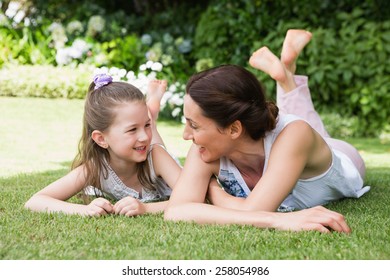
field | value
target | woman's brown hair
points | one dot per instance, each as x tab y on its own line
228	93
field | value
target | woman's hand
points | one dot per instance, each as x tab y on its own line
317	218
129	206
99	207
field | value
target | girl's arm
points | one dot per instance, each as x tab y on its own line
130	206
53	197
164	166
187	204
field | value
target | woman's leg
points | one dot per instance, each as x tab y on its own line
293	94
298	102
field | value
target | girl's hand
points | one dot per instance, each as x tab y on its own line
129	206
99	207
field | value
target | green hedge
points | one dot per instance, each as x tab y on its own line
45	81
347	60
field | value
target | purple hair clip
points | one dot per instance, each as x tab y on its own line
101	80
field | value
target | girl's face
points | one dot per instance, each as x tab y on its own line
130	134
212	141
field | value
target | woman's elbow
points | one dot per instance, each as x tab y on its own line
33	203
172	213
28	204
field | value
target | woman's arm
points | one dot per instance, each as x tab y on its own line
53	197
187	204
317	218
219	197
298	152
290	156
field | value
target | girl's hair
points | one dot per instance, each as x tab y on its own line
228	93
99	114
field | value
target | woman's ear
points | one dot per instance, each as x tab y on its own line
235	129
99	139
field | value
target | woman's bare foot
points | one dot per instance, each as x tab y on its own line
295	41
264	60
156	90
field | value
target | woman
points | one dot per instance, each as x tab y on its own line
264	160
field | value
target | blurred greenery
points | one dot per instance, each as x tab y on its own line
346	60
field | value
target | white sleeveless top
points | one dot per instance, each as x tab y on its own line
114	188
342	179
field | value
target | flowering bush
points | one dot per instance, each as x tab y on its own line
172	101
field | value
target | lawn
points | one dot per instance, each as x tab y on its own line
38	141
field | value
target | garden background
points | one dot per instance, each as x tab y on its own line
49	51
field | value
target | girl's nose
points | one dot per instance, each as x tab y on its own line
143	136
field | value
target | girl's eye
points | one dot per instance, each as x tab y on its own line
148	125
132	130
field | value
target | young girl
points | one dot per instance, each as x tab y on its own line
118	157
264	160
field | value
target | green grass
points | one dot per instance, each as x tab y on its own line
38	141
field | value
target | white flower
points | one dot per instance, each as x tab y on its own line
75	27
130	76
122	73
75	53
102	70
149	64
176	112
146	39
97	23
142	76
152	76
167	95
114	71
167	38
58	35
172	88
142	67
176	100
63	57
81	45
157	66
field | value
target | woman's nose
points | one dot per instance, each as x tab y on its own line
187	133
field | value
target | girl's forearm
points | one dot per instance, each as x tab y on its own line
43	203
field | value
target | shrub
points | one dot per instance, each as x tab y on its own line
45	81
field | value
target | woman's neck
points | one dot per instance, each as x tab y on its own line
248	155
249	159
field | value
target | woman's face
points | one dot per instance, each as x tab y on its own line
212	141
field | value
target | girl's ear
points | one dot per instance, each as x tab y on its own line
99	139
235	129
